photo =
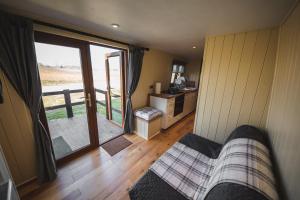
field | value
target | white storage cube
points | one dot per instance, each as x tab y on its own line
147	129
147	122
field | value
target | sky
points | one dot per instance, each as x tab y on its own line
54	55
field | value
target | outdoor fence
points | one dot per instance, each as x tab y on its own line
68	102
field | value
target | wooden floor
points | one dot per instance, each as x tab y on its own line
97	175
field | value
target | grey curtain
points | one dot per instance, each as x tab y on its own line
19	64
134	69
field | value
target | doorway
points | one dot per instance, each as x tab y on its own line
82	97
108	80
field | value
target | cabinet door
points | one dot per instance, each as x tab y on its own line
190	102
170	112
170	106
186	103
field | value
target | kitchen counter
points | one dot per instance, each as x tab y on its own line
173	106
166	95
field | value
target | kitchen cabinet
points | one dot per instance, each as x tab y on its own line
166	104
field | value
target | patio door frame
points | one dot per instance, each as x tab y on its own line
121	55
83	46
86	67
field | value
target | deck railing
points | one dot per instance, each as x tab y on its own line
68	103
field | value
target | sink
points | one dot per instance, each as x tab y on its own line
173	91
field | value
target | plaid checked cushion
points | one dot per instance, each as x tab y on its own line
148	113
242	161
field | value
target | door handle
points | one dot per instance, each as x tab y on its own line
88	100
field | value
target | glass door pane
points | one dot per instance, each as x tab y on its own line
114	68
107	128
60	69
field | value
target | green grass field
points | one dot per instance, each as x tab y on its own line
81	110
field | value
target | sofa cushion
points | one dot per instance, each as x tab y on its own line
207	147
250	132
185	169
233	191
152	187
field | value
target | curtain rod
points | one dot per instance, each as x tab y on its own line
82	33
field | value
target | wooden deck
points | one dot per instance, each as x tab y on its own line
97	175
75	130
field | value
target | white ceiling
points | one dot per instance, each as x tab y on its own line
170	25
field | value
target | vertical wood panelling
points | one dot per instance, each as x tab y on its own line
212	81
16	136
204	80
239	40
241	80
265	82
219	93
253	76
283	121
197	115
236	81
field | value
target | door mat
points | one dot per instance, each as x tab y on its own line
116	145
61	147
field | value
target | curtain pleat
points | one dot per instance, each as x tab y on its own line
134	69
18	62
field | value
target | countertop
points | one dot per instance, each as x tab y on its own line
165	95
